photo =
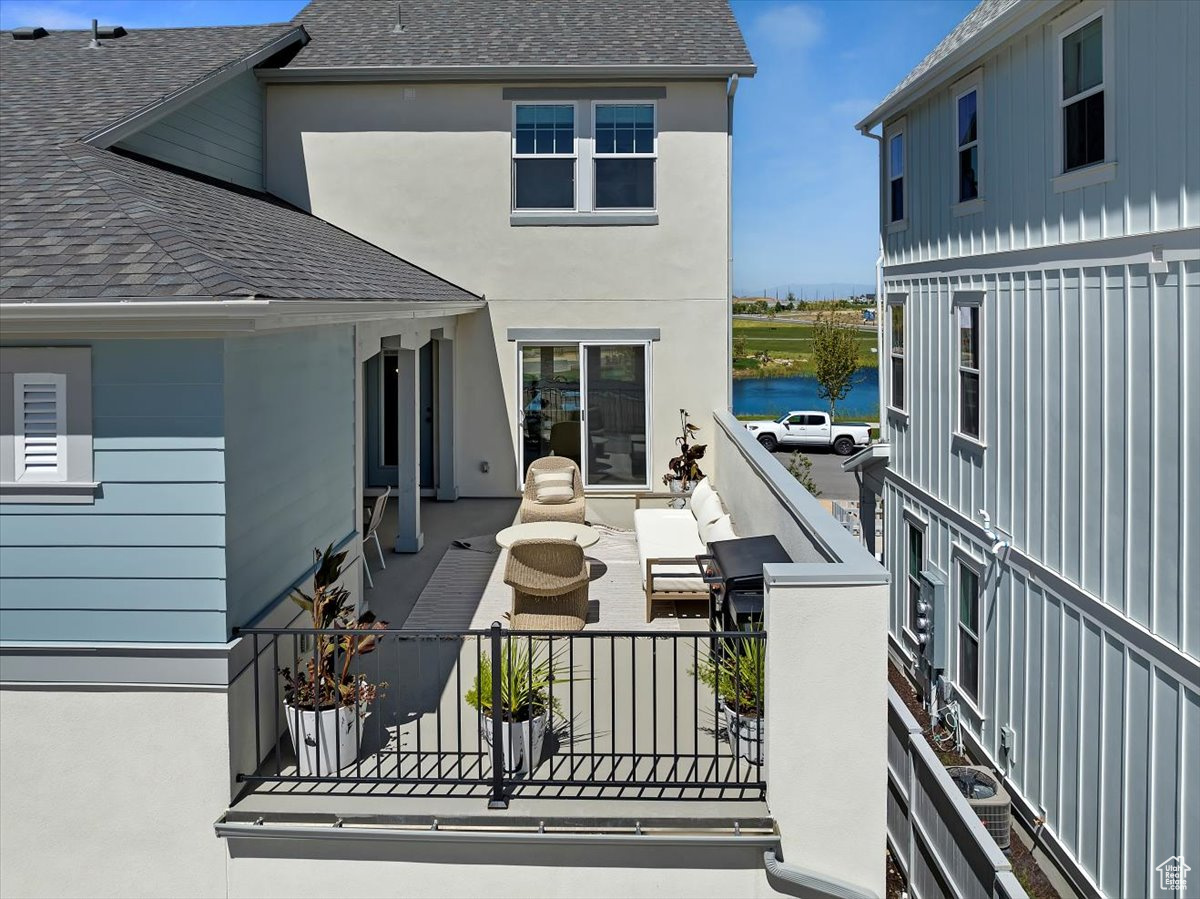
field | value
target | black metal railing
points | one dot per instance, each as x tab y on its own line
604	714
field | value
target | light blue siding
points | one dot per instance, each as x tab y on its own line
219	135
289	403
146	560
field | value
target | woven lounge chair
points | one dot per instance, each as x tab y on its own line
550	585
532	510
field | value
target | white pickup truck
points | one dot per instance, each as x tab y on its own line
800	430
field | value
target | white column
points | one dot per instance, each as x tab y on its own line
409	538
447	477
826	734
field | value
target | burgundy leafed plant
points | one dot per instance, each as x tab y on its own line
685	467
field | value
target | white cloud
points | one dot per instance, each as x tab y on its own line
794	26
49	15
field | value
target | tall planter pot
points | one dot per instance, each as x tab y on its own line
746	734
522	742
340	731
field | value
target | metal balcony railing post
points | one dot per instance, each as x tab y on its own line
498	799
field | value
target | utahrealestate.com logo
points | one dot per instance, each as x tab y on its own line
1172	874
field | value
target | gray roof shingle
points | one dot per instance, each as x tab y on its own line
81	222
521	32
976	21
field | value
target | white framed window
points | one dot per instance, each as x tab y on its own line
967	166
968	584
895	141
545	151
46	425
916	564
589	401
897	305
624	155
968	320
1084	128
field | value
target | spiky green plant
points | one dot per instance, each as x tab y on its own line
736	672
527	669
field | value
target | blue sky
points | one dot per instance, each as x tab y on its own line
805	199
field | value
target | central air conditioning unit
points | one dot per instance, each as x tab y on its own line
987	798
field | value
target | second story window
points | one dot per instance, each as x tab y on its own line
968	630
544	156
624	156
897	354
968	369
968	146
1083	125
916	562
896	177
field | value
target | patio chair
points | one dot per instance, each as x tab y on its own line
573	510
550	585
372	533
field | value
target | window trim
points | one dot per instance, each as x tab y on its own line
901	300
71	369
898	128
963	559
968	298
594	155
1104	169
914	525
514	156
582	346
972	82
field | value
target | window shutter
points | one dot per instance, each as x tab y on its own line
40	417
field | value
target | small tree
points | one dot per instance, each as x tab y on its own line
835	356
800	467
791	299
740	346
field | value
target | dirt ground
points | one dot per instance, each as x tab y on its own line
1031	876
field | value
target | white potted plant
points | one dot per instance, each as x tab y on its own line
736	672
526	672
326	703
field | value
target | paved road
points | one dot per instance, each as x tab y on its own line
827	472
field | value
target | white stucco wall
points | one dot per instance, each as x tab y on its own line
112	792
428	177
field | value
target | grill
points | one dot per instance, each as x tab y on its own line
733	570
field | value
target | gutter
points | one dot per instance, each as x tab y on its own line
300	74
164	106
342	831
797	881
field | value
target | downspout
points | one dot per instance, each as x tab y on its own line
795	881
879	304
730	92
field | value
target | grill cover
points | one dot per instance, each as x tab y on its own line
739	562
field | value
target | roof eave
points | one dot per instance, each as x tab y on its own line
503	72
1006	26
148	115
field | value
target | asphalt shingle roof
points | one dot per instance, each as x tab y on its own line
976	21
521	32
81	222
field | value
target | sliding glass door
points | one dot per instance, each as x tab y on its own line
589	402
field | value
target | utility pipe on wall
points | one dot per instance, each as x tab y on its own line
796	881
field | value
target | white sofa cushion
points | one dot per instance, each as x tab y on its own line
709	508
669	534
701	491
721	529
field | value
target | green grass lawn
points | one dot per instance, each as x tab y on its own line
783	341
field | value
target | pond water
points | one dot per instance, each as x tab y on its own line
774	396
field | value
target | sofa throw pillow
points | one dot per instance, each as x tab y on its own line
553	478
555	494
701	491
721	529
709	509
